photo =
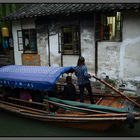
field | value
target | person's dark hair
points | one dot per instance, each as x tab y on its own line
68	79
81	61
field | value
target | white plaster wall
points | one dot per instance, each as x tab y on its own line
130	61
17	26
131	23
55	57
87	47
42	44
28	24
70	60
122	59
108	58
17	54
88	44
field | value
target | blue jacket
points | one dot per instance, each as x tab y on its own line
82	74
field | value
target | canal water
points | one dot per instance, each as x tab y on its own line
15	126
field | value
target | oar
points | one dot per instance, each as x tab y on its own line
117	91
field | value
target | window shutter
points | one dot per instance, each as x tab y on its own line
20	40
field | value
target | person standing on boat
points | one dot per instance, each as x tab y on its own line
82	75
69	89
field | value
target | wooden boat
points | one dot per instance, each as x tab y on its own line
105	113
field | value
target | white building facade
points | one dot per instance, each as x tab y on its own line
116	58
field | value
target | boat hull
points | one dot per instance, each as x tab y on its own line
89	122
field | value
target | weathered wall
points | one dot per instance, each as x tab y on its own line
122	59
42	41
55	56
52	55
130	46
42	44
108	58
87	42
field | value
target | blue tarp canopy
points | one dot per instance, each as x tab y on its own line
31	77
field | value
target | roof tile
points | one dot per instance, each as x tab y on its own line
42	9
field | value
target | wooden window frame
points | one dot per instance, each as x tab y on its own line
21	42
101	23
74	50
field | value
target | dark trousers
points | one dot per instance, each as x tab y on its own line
88	87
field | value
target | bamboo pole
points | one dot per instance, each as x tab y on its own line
117	91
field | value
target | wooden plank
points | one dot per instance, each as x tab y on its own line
98	102
17	109
112	101
20	106
105	102
25	101
31	59
117	103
